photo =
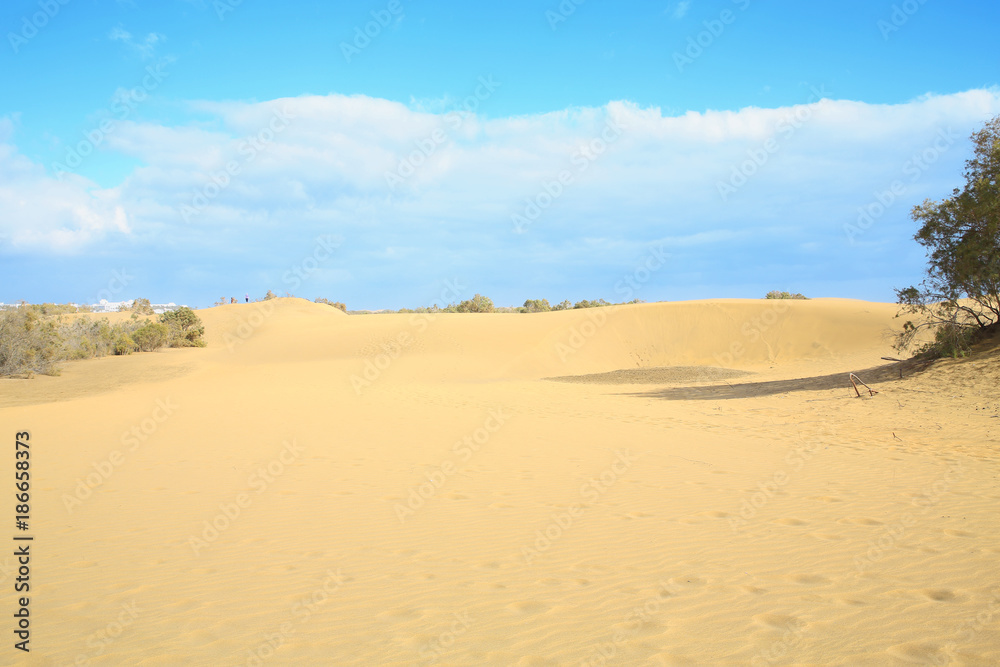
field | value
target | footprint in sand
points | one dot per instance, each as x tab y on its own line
938	594
861	521
790	522
528	607
959	533
918	653
809	579
777	621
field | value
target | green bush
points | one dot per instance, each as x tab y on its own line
775	294
142	307
124	344
186	329
151	336
537	306
591	304
27	343
477	304
335	304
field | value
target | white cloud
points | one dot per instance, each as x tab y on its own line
43	213
681	9
145	48
324	168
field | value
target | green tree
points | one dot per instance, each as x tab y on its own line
151	336
142	307
186	329
775	294
335	304
960	296
477	304
537	306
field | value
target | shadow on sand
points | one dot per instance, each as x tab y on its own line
883	373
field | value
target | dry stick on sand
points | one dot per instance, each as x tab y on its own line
853	377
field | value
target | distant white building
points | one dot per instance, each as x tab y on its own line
105	306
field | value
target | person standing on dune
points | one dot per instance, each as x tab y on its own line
247	295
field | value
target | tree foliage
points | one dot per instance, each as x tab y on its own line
960	296
477	304
185	327
336	304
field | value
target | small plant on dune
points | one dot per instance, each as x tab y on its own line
477	304
270	295
591	304
27	343
124	344
185	328
335	304
775	294
536	306
142	307
151	336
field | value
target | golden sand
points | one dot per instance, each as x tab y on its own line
317	488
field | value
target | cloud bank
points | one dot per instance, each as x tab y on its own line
755	190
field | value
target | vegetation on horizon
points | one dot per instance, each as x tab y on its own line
482	304
33	338
959	300
775	294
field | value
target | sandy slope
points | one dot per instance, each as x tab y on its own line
398	490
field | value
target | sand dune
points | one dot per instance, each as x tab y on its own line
317	488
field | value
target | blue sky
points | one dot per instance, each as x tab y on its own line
523	149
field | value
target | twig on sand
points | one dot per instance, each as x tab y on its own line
853	377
